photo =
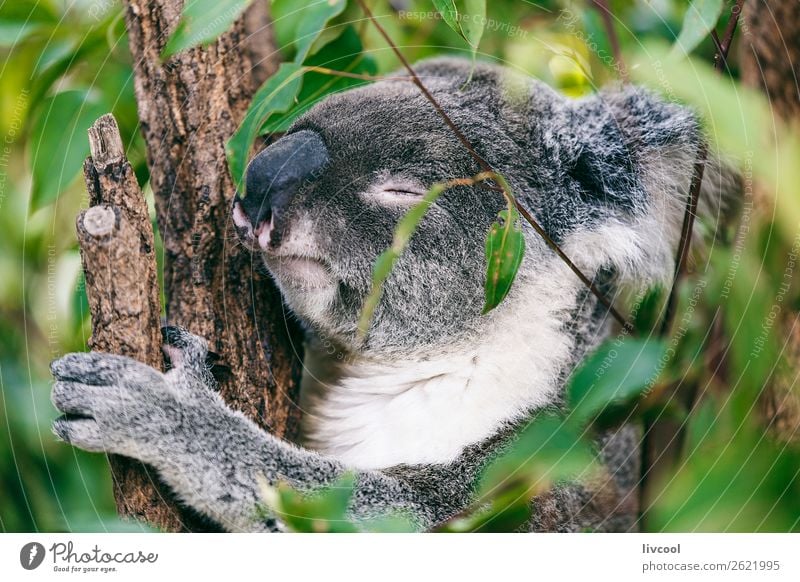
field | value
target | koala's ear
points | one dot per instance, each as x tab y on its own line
456	71
632	159
443	67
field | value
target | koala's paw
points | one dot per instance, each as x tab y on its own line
118	405
106	400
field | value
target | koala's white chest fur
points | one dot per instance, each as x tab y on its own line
372	414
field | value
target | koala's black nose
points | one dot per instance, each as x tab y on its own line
274	177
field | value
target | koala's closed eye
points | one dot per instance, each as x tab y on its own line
393	192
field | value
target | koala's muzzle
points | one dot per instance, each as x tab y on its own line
273	178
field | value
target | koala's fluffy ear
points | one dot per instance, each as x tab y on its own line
634	155
458	73
443	68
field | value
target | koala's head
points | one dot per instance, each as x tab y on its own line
323	201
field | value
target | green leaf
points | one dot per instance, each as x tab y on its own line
617	372
473	21
449	12
700	18
391	523
739	480
202	21
59	142
547	451
386	260
300	27
276	95
18	20
500	515
315	17
465	17
344	53
324	511
751	315
505	248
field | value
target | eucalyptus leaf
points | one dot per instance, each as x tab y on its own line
546	451
449	12
505	248
324	511
18	20
276	95
473	22
617	372
465	17
59	142
202	22
315	16
700	18
344	53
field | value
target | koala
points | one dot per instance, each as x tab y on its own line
435	389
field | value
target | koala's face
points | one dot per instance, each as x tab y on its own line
606	176
323	202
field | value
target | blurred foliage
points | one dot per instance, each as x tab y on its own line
66	61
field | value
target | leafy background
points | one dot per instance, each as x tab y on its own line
720	380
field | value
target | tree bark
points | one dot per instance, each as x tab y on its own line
189	106
770	61
118	254
770	52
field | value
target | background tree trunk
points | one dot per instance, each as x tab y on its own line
769	51
189	106
769	54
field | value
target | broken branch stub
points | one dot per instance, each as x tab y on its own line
117	252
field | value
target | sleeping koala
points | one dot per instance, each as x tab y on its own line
436	389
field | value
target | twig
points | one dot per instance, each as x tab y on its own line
486	167
686	235
717	44
605	13
362	76
721	58
697	177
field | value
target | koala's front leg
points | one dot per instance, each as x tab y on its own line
210	455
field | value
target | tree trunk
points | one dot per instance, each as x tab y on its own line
770	61
189	106
118	256
770	52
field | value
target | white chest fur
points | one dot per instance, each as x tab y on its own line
378	414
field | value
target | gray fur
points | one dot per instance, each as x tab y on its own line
579	166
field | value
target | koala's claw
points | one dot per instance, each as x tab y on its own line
80	432
100	369
74	398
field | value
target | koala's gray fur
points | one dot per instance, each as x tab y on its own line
607	176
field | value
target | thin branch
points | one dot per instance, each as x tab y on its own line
605	13
486	167
720	58
686	235
717	44
362	76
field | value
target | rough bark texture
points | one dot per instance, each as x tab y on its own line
770	52
770	61
118	254
189	106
